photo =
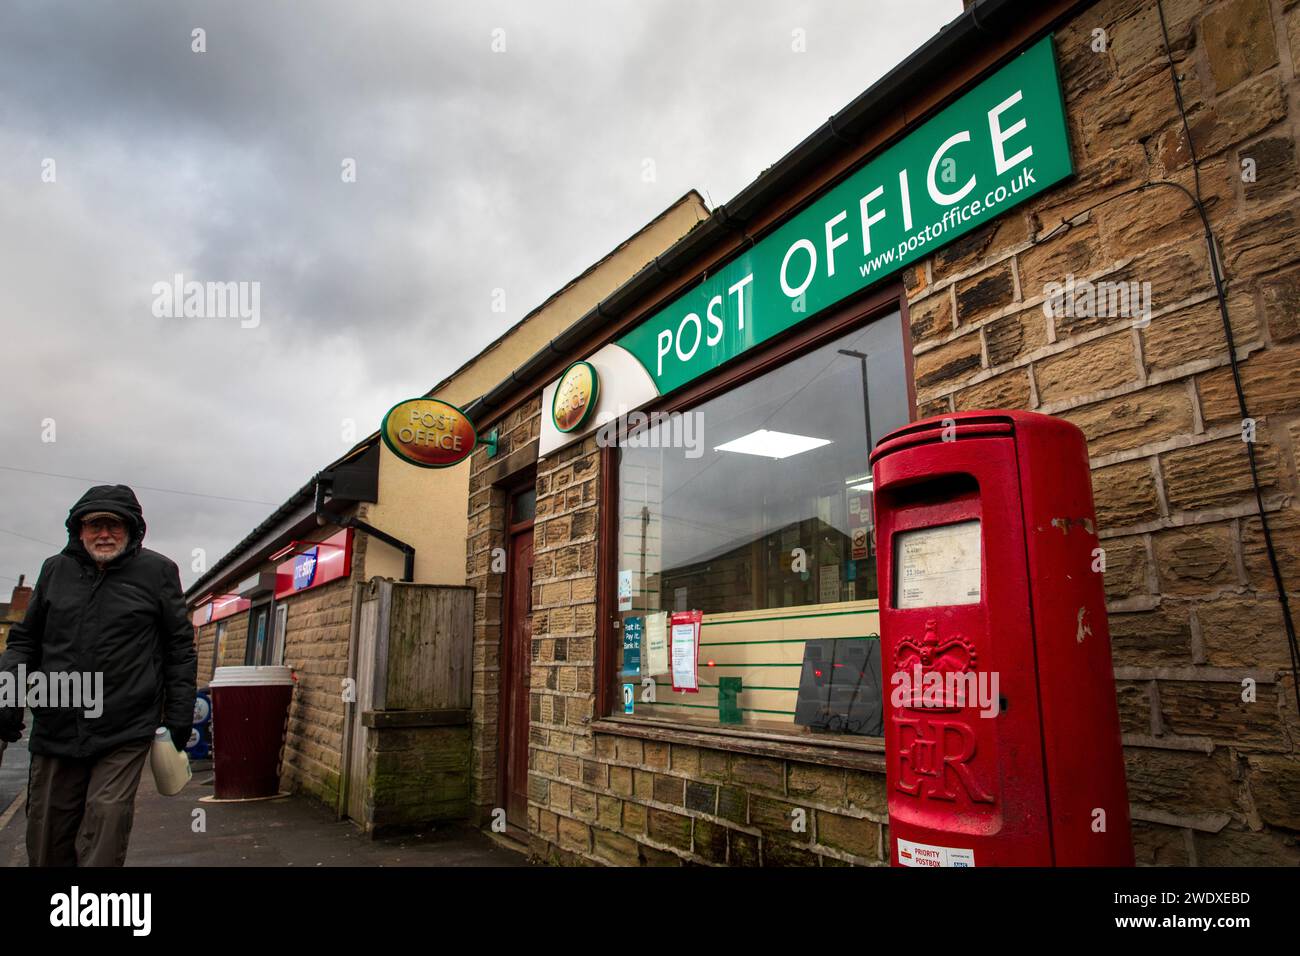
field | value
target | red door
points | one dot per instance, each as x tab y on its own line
516	669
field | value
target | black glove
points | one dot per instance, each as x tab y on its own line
11	724
180	736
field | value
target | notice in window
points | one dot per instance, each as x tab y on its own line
829	580
685	630
656	642
937	567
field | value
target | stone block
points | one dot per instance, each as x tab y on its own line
1125	494
1215	473
948	364
1156	638
1239	42
849	834
1195	559
1088	368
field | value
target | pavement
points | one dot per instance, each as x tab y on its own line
287	831
13	773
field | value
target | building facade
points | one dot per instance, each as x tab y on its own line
295	591
12	612
770	347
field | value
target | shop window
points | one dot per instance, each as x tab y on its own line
754	508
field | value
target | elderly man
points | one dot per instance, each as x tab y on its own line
104	606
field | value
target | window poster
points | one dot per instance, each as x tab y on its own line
829	591
633	629
625	590
729	710
861	544
656	643
685	633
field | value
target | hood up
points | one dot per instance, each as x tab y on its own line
121	501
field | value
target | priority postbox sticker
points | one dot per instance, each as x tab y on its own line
925	854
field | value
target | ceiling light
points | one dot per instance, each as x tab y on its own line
770	444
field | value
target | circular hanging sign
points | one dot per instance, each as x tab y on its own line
575	396
428	432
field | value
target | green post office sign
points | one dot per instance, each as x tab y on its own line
995	147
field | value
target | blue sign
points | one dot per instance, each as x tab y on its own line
304	569
629	698
633	628
199	746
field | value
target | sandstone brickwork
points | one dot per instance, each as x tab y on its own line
1192	602
1201	663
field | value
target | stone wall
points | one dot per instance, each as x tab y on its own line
1213	779
416	775
316	647
517	435
317	630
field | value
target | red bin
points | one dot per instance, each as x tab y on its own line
250	713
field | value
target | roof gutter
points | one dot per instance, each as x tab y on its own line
980	18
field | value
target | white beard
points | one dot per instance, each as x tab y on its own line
103	559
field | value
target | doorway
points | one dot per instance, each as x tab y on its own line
516	660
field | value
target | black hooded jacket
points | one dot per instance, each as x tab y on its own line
127	621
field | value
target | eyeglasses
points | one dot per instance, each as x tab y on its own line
104	524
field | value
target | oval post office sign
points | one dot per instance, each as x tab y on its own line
428	432
575	396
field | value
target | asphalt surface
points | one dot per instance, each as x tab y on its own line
184	831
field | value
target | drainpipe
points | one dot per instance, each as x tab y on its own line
408	551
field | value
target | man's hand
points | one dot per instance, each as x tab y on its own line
11	724
180	736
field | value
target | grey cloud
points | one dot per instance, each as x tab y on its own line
475	171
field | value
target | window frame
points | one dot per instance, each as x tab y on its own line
861	310
279	632
218	642
250	641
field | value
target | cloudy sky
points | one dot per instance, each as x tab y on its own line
126	158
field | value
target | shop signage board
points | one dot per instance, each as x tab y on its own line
428	432
304	570
999	144
575	396
322	563
220	607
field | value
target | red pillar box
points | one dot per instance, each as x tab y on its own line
1002	734
250	712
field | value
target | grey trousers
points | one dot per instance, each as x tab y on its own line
80	811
